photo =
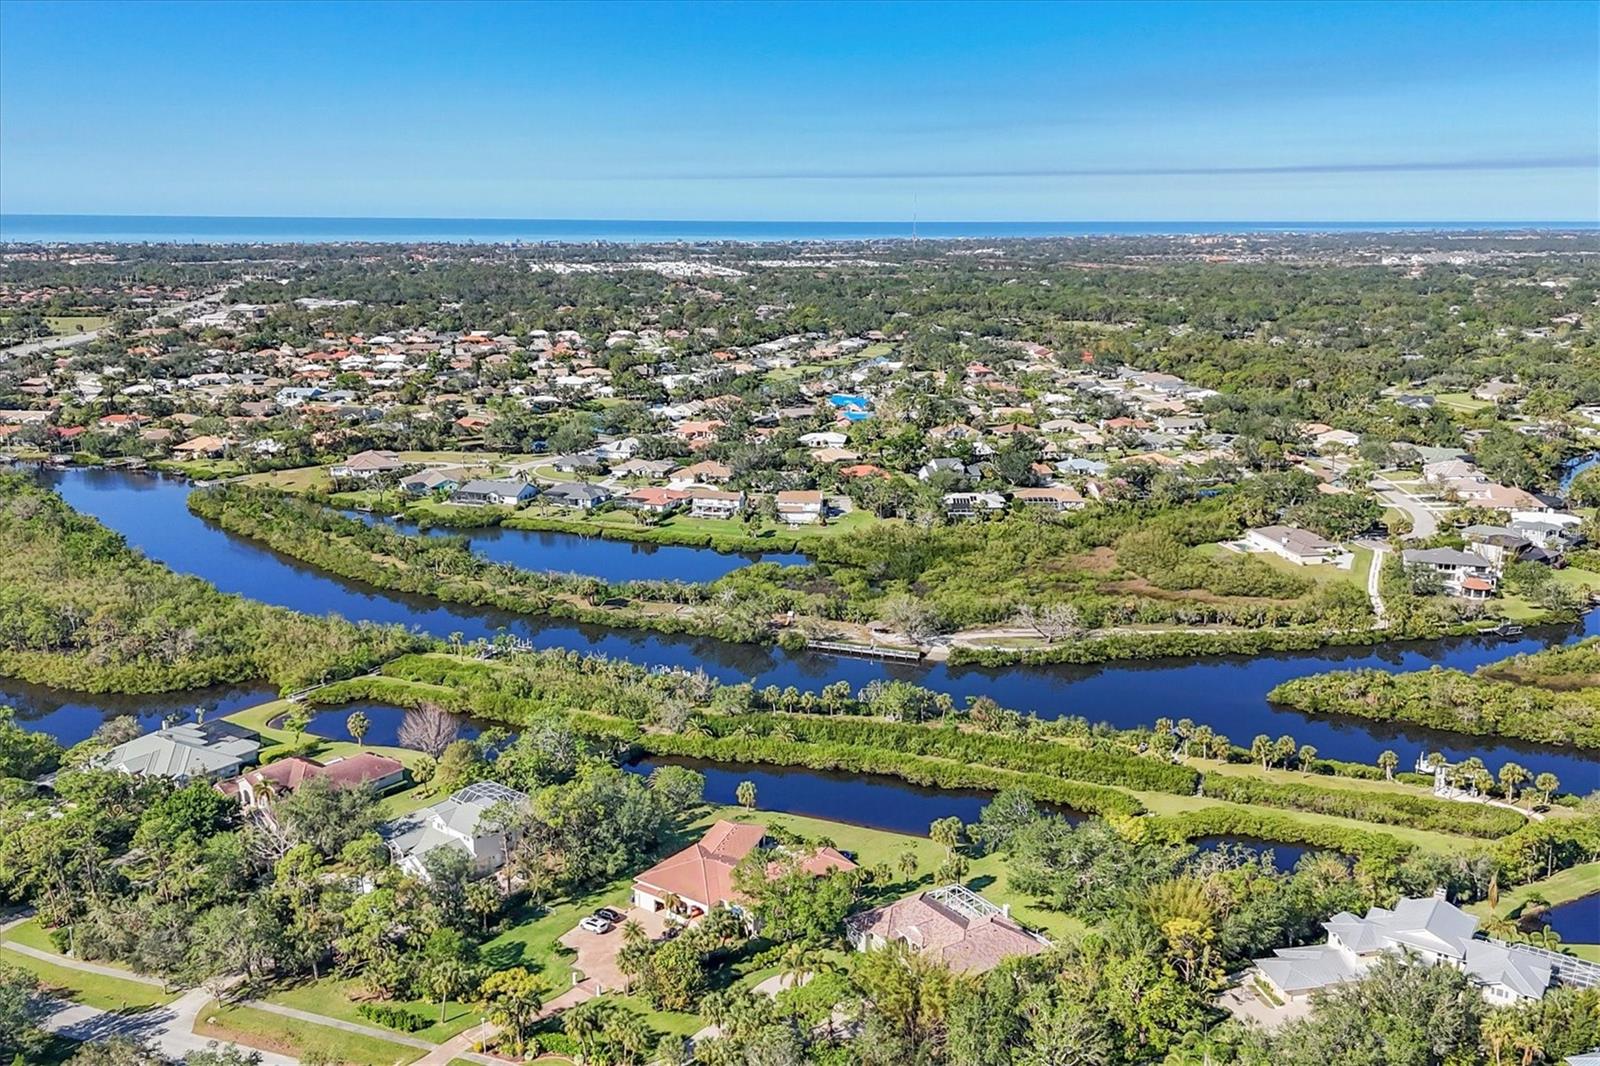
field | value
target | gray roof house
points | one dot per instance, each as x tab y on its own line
1299	546
188	752
944	465
577	494
1432	930
426	481
503	493
458	822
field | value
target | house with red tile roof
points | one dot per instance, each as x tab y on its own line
953	924
654	499
700	877
286	775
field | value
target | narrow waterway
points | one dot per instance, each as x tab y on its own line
615	561
1573	467
1226	693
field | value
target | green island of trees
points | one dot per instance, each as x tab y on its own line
81	610
1548	697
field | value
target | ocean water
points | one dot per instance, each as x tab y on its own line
192	229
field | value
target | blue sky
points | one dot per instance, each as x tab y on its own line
768	111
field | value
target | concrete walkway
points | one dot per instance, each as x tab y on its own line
1374	579
338	1023
85	967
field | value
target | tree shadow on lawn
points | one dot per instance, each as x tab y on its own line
504	955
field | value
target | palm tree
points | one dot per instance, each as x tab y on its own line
800	960
1387	761
449	979
908	864
745	794
1500	1030
1528	1042
1305	757
1512	777
1546	783
587	1023
357	725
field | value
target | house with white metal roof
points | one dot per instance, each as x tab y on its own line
1431	930
187	752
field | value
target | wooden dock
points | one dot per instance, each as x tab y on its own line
869	651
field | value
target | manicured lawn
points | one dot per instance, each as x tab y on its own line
1575	579
1361	568
1564	887
90	989
300	479
290	1036
63	325
202	469
1462	402
341	999
30	933
1322	575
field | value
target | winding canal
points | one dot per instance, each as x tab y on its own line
616	561
1226	693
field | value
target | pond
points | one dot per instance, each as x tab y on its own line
1226	693
1577	922
870	800
383	723
886	803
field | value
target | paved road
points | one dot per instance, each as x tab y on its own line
1424	521
87	967
49	344
170	1027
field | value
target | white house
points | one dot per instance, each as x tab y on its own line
1298	546
364	465
459	822
970	504
800	506
1431	930
714	503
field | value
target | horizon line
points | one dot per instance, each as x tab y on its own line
1593	222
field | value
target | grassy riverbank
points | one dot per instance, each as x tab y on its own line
1355	816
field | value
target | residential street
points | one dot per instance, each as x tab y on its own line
1424	520
169	1027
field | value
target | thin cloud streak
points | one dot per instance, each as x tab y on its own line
1415	166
